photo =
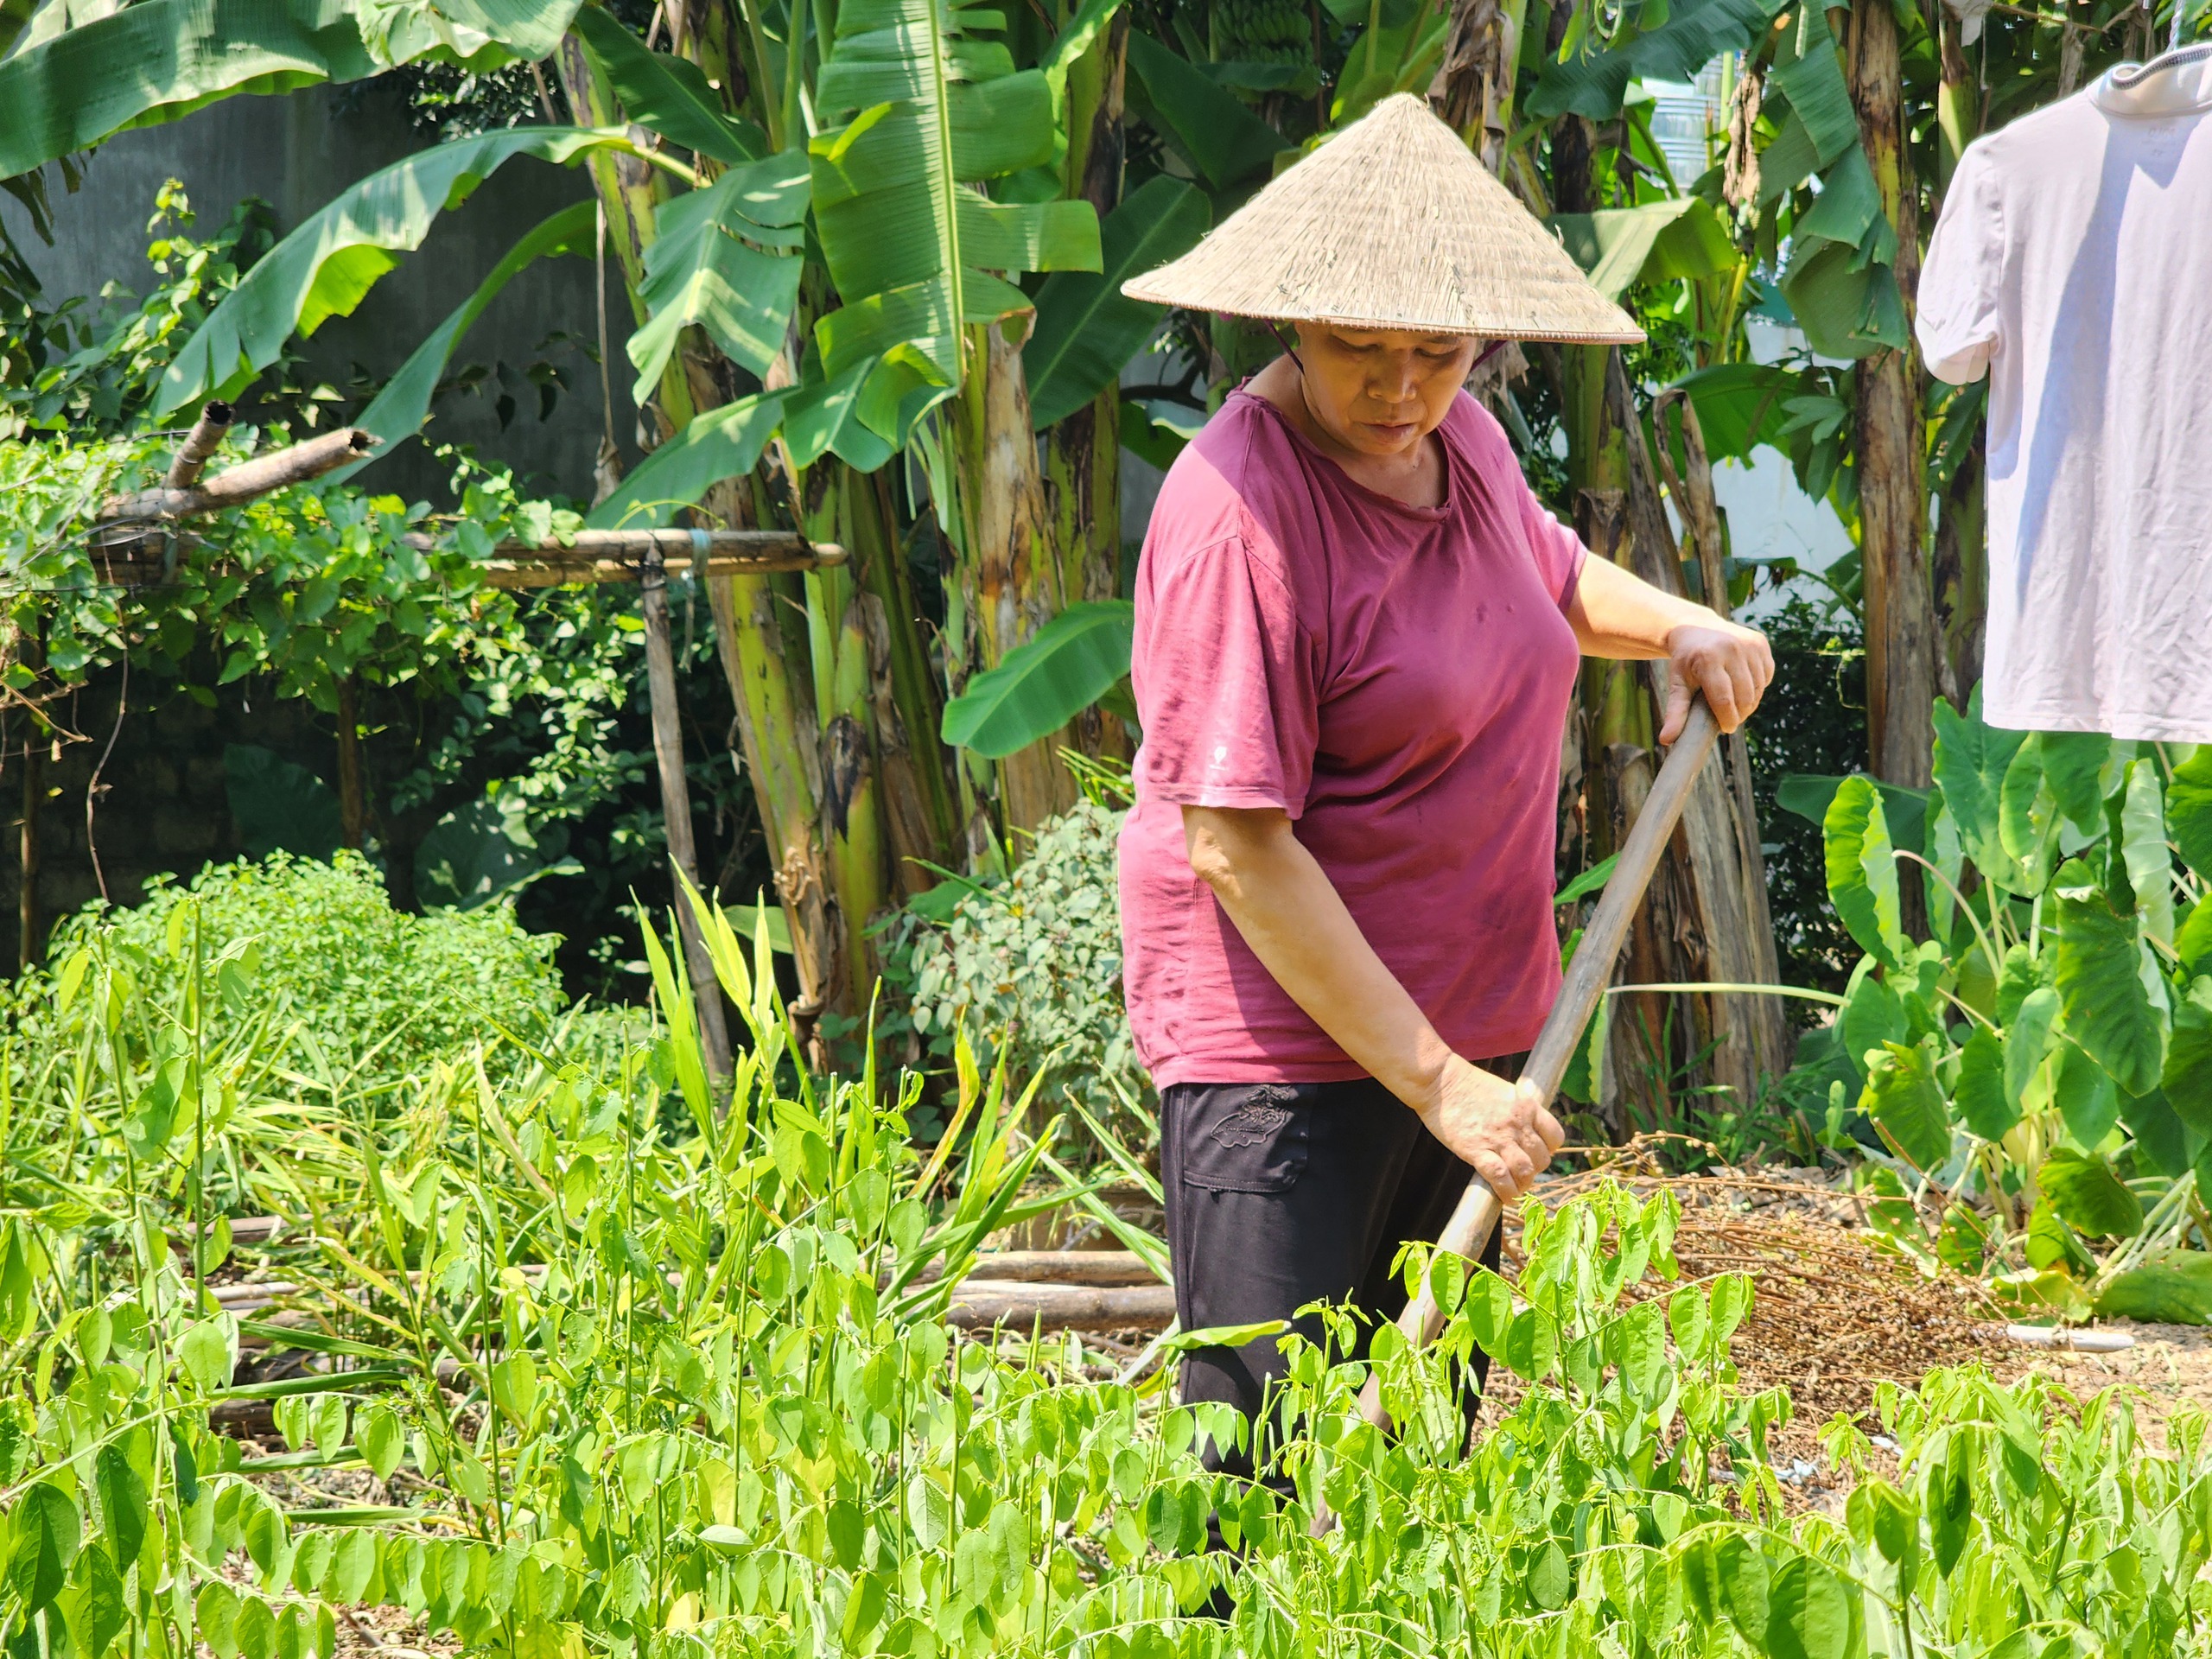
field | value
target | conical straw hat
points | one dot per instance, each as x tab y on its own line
1392	224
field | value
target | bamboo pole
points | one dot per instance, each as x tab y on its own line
237	484
199	445
590	556
676	808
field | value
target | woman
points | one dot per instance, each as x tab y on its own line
1358	633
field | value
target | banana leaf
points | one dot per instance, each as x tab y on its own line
326	267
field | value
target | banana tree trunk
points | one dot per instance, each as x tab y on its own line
1960	573
775	719
1616	718
1717	841
775	716
1011	579
1901	636
1082	452
1473	88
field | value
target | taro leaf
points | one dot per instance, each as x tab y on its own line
2086	1192
2027	815
2150	861
1903	1098
2023	973
1086	330
2164	1145
1962	1242
2027	1040
2193	940
2188	811
1971	760
43	1534
2175	1289
2085	1095
484	851
1038	686
1872	1014
1984	1105
1225	142
1862	871
2051	1243
1808	1613
2103	1002
122	1502
278	805
2073	762
2187	1077
1809	795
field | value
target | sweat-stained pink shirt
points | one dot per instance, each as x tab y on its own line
1395	678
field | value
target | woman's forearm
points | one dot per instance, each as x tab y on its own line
1618	614
1284	905
1288	910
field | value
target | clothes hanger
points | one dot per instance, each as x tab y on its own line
2180	78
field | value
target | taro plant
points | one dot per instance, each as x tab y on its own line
2039	1068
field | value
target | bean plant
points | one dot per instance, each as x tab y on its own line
614	1356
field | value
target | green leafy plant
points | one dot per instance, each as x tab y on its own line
1029	967
615	1352
353	988
2034	1070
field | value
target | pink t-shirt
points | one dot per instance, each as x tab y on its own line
1395	678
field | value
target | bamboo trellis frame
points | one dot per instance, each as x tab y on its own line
129	542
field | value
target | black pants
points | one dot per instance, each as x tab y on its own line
1282	1194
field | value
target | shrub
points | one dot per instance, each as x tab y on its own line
350	973
1035	961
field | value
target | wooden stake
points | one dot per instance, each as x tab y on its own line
27	848
675	807
352	805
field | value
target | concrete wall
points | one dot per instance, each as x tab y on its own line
163	805
296	152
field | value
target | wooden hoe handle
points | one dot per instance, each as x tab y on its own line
1477	1216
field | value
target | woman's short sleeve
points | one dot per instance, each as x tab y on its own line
1224	682
1960	324
1558	550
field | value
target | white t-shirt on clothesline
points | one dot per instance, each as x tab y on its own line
2074	262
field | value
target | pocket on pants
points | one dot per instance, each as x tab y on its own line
1244	1137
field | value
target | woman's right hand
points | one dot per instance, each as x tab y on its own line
1502	1128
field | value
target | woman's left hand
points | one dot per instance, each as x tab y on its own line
1731	664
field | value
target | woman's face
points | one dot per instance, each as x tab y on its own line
1378	392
